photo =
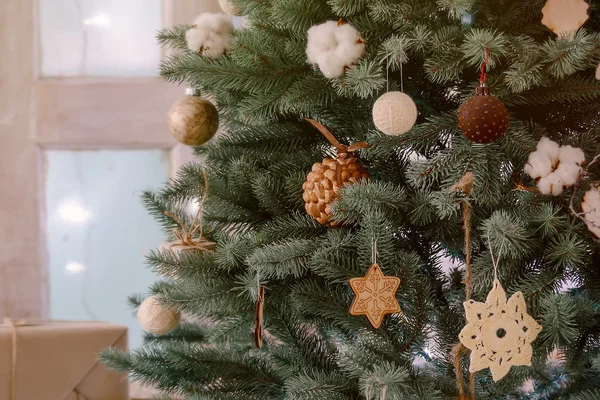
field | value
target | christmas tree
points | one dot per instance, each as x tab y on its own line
277	276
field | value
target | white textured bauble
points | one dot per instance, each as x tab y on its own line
156	318
394	113
228	7
193	120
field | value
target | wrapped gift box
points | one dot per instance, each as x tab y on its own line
59	361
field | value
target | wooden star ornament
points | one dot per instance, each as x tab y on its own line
375	295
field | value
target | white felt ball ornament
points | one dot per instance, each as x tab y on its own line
210	35
228	7
333	46
156	318
394	113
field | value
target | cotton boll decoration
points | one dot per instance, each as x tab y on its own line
156	318
210	35
538	165
591	209
554	167
568	173
549	147
333	46
572	155
394	113
551	184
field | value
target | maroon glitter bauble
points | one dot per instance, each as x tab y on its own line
483	118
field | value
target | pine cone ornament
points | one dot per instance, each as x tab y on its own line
325	181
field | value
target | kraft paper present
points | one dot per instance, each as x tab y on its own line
59	361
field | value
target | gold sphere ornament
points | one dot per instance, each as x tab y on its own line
483	118
394	113
193	120
156	318
565	17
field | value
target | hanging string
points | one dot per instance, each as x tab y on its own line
374	252
401	79
258	280
191	236
387	73
465	185
495	260
483	76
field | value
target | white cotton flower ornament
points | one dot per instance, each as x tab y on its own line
570	154
554	167
333	46
210	34
548	147
538	165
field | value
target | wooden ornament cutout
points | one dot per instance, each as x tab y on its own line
375	295
499	332
565	17
260	307
591	210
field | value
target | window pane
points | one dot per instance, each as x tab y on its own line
98	232
99	37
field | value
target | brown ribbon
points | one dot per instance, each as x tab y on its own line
342	150
186	236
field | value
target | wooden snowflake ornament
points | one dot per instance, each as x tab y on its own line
591	210
499	332
565	17
375	295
